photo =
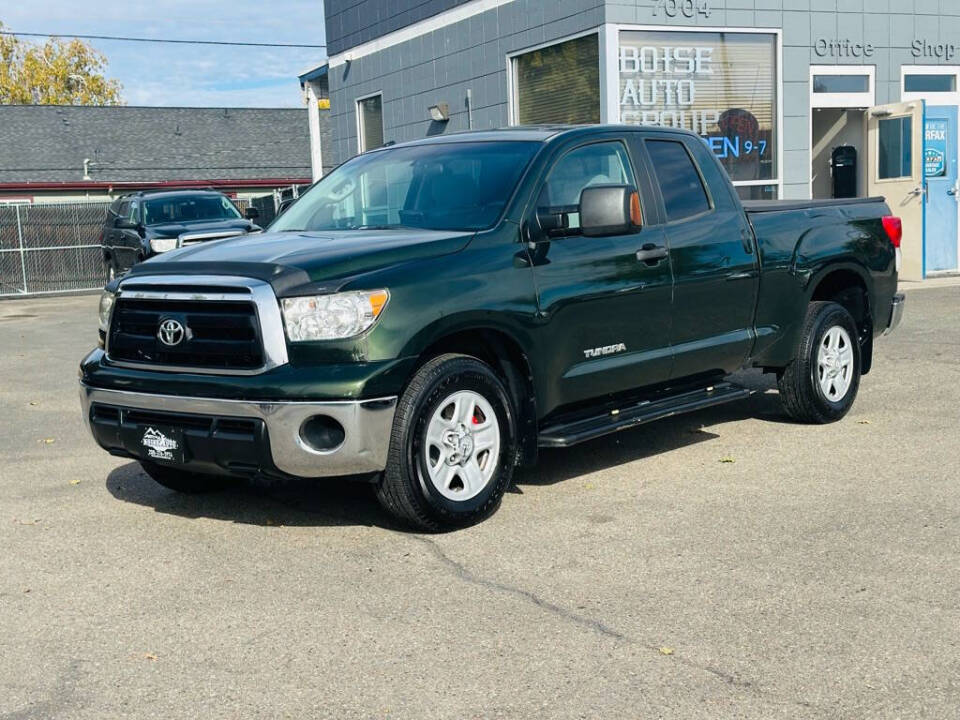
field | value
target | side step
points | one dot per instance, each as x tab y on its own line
593	426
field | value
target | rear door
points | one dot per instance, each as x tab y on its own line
895	171
605	313
711	249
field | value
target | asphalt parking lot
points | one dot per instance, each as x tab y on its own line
723	564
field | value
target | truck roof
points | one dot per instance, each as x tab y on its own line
531	133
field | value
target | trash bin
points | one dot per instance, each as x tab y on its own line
843	170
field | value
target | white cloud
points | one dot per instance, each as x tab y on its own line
191	75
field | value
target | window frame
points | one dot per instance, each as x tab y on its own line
909	138
359	115
932	98
682	141
849	101
513	87
632	166
611	79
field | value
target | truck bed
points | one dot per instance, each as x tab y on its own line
765	206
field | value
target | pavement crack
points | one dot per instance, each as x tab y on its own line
467	575
462	572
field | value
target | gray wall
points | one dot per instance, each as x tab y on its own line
351	22
441	65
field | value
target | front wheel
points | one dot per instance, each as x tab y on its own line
453	445
821	383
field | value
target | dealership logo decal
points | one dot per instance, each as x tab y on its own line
158	445
171	332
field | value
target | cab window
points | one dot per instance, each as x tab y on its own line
603	163
680	184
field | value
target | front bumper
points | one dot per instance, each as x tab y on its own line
896	313
244	436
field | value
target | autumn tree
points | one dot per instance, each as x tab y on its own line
57	72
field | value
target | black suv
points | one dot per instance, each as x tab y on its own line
141	225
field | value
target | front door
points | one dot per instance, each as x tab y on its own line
940	171
895	171
605	312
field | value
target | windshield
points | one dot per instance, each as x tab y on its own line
188	208
448	186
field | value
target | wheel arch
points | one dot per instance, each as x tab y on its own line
849	285
502	351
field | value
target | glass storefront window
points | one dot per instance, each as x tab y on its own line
841	83
721	85
930	83
559	83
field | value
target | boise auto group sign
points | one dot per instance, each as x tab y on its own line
720	85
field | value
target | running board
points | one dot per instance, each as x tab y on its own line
590	427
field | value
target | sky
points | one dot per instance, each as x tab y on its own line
190	75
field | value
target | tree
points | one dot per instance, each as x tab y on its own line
58	72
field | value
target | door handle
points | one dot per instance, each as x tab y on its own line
651	254
741	275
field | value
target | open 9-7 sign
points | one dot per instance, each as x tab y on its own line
687	8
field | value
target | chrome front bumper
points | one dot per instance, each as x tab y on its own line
896	313
366	424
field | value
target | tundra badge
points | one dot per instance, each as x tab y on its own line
605	350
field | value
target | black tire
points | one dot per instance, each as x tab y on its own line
405	489
186	482
800	388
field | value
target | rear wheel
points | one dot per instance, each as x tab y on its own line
186	482
821	383
453	445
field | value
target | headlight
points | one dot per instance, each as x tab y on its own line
332	317
163	244
106	307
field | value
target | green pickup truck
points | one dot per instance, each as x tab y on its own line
431	314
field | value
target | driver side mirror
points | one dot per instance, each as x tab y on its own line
125	224
251	213
609	210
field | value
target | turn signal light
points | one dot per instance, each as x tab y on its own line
894	228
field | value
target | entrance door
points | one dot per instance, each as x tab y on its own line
895	166
940	171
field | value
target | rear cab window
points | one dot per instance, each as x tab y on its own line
681	186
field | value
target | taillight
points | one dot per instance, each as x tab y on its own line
894	229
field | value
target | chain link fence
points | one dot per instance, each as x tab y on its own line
54	247
51	248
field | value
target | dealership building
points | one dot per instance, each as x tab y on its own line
797	98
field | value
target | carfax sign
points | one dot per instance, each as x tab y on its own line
935	148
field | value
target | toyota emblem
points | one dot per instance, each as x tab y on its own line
171	332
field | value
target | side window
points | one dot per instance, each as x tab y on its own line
124	210
894	157
680	184
597	164
134	214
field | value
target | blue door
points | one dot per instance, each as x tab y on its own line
940	172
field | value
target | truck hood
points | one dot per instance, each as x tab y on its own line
172	230
296	262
